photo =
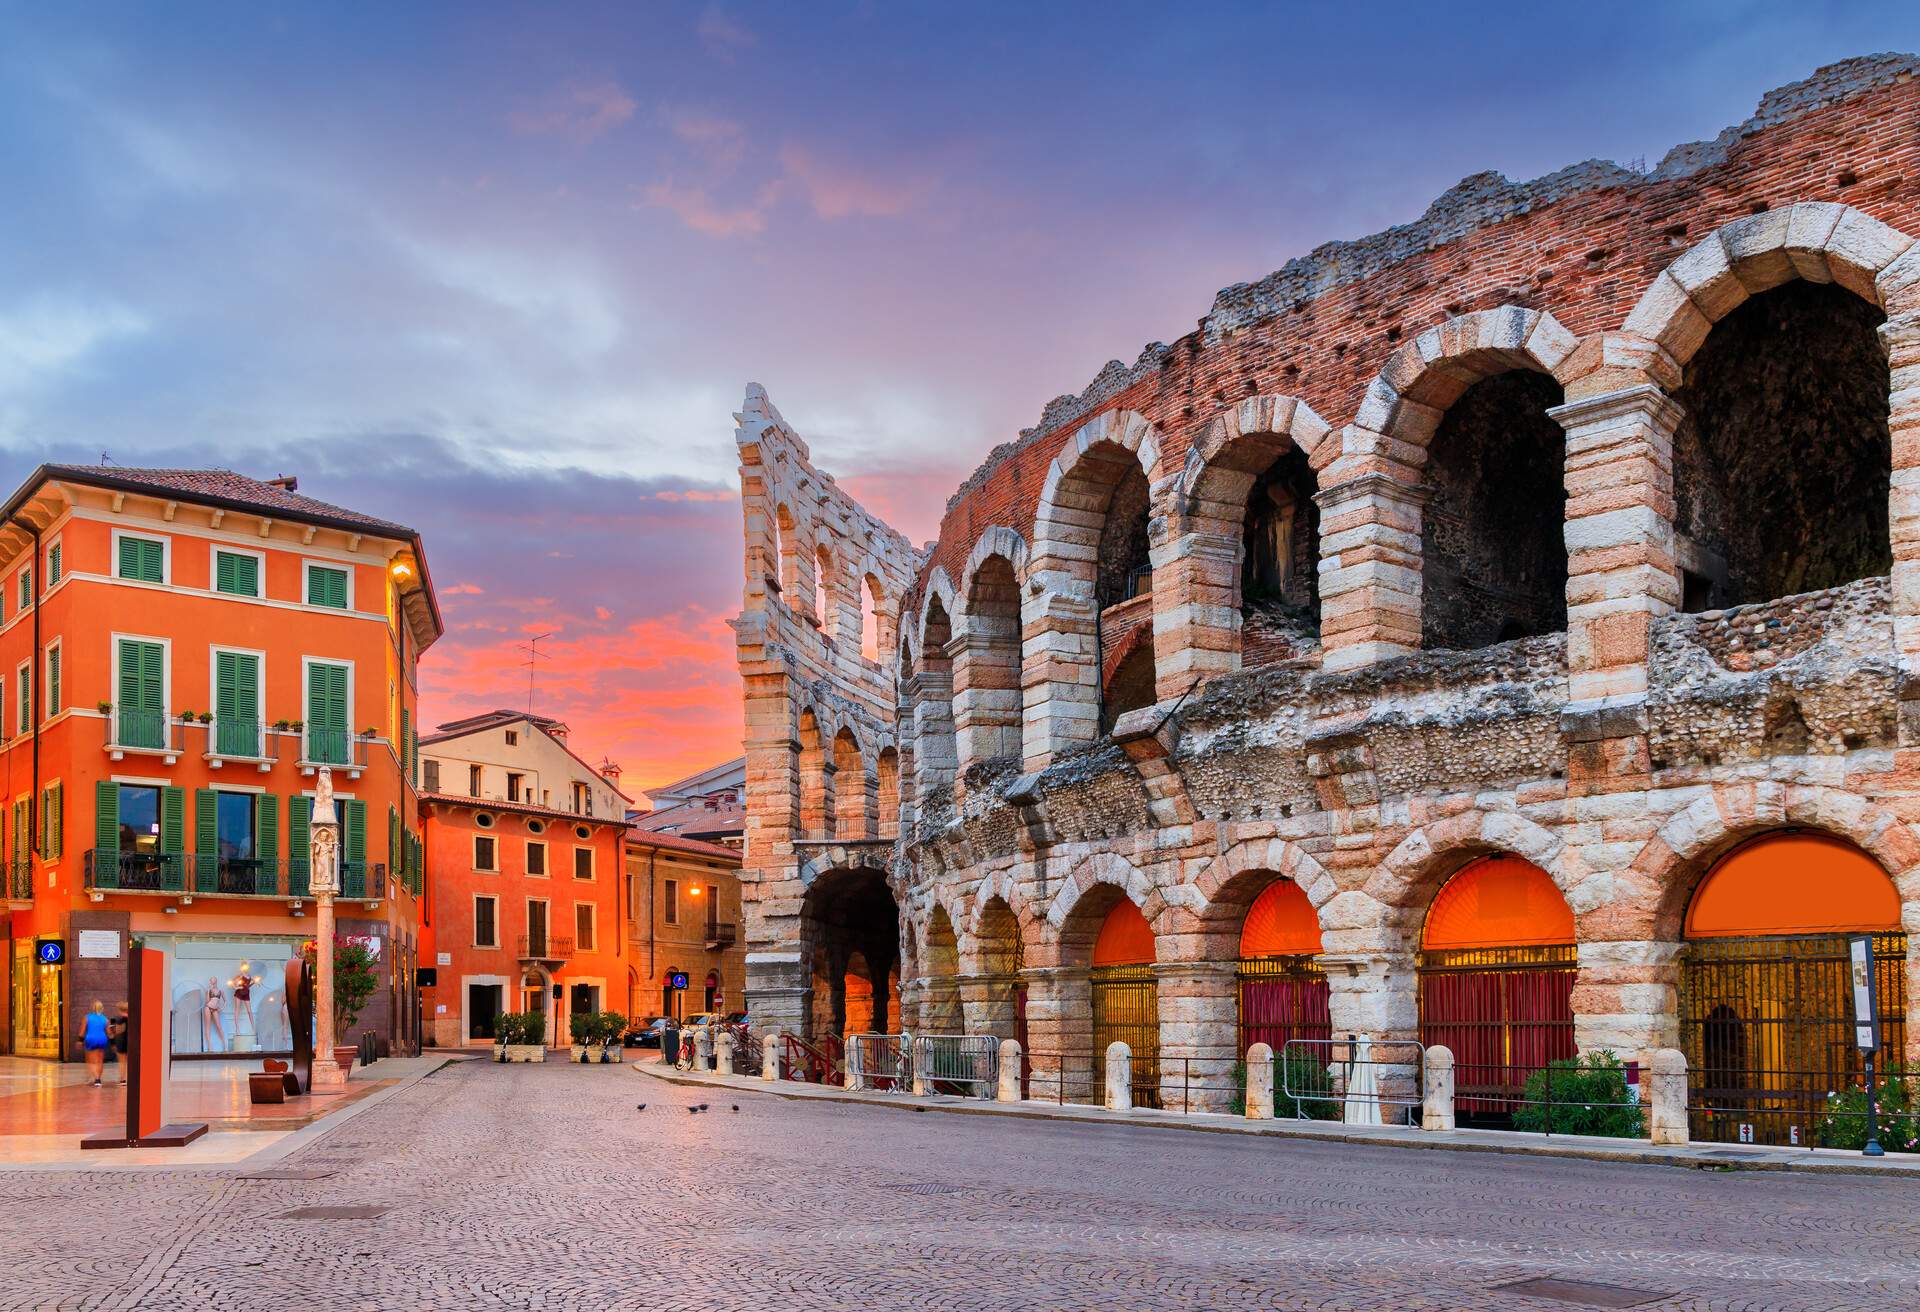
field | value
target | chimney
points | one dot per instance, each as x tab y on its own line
610	772
288	481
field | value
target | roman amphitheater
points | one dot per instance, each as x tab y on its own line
1502	631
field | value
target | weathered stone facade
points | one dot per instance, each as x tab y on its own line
1601	721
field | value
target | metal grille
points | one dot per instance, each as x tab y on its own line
964	1064
1504	1013
1281	999
1767	1027
878	1061
1126	1009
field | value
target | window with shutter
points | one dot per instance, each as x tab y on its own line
326	586
583	921
56	844
583	863
141	712
433	775
327	712
142	559
536	858
486	927
237	573
55	565
236	703
106	826
26	587
299	844
266	841
483	857
54	696
23	680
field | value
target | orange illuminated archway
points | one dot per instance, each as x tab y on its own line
1498	902
1280	923
1125	937
1794	884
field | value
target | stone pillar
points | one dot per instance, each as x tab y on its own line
986	689
1059	1028
703	1049
770	1056
1374	993
1436	1091
1900	334
1621	573
934	759
1196	609
1259	1083
1666	1090
722	1053
1119	1077
1009	1089
1199	1033
1059	669
1370	560
1626	998
779	991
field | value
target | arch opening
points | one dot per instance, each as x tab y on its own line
1281	989
870	604
852	790
940	1006
1280	562
936	755
1493	538
887	791
1782	460
1766	989
816	788
850	933
1495	982
1123	997
987	699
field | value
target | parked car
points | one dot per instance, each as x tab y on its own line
647	1034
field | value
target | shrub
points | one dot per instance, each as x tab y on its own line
611	1026
583	1025
1843	1119
536	1026
1589	1096
506	1027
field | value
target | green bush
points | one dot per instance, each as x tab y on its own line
506	1027
581	1024
1843	1121
535	1023
609	1026
1589	1096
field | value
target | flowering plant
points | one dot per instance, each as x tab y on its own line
355	977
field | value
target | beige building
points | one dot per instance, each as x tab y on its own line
688	954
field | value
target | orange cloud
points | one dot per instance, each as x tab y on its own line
693	207
577	113
838	191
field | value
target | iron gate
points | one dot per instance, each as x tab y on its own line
1126	1009
1504	1013
1281	999
1767	1027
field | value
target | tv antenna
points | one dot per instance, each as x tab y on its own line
534	656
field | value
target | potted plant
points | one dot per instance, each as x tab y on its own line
581	1025
280	726
532	1046
299	726
355	979
103	707
185	717
504	1029
612	1026
205	717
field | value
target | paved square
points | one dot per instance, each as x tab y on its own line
543	1187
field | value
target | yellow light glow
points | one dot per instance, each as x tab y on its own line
402	570
694	891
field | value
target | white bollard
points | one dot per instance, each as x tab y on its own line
770	1056
722	1053
1436	1089
1119	1077
1667	1097
1010	1060
853	1079
702	1049
1260	1082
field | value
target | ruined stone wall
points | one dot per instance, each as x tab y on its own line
1622	746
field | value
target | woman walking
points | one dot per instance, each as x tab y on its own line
93	1037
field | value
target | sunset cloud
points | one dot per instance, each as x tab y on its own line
577	113
693	207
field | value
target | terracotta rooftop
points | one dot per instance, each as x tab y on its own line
226	487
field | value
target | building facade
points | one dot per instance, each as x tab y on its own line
689	955
182	650
1500	631
525	868
710	805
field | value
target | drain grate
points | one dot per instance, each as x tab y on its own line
1587	1293
927	1187
288	1173
349	1212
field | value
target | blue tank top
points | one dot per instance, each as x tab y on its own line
94	1035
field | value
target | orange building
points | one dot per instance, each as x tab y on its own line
523	849
180	651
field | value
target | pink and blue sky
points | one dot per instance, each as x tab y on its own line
502	271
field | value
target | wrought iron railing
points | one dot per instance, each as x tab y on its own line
721	934
140	730
20	883
329	747
235	876
815	1061
109	869
545	947
240	738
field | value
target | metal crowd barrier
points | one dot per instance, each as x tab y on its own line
879	1061
1359	1083
967	1064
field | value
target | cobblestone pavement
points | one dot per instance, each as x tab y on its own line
543	1187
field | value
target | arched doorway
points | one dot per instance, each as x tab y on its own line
850	933
1497	966
1126	999
1001	957
1282	992
940	1005
536	995
1766	1013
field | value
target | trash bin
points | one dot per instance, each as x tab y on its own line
670	1044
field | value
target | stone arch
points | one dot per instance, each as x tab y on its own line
935	599
987	702
886	781
1062	628
1000	887
853	807
812	734
1405	884
1249	478
940	972
930	691
793	568
1068	918
1663	875
1380	596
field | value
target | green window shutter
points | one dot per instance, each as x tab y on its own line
406	749
22	829
299	842
393	842
106	818
141	559
173	820
206	840
55	565
142	675
236	573
54	703
56	820
327	586
327	697
226	678
354	817
266	827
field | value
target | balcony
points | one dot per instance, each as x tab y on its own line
241	742
333	747
142	733
192	874
20	882
721	935
545	947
